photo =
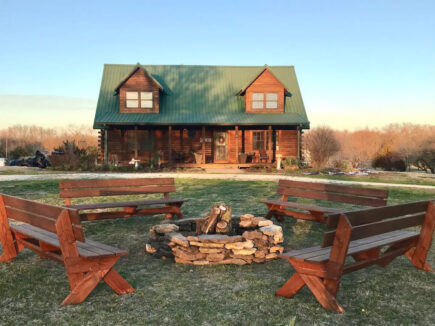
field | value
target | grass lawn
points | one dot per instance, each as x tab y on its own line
416	178
32	289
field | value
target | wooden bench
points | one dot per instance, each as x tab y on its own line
55	233
320	191
361	235
112	187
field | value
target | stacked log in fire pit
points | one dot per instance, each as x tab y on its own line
217	239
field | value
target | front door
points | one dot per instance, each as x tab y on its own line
220	146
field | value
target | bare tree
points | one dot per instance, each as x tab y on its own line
322	145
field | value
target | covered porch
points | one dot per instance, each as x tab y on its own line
199	146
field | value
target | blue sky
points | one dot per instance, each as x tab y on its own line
359	63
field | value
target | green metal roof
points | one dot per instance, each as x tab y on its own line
199	95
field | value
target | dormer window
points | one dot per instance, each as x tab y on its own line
257	100
271	100
264	100
134	98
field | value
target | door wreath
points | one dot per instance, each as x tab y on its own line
221	140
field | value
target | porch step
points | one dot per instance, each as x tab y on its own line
224	170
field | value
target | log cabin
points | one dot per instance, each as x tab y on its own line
199	115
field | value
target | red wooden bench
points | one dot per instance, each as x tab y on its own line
56	233
320	191
113	187
361	235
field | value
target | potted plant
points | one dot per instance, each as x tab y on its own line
198	157
243	157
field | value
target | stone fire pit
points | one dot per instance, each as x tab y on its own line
249	239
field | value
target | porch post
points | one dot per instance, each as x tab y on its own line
106	155
135	143
170	143
270	151
203	144
298	130
237	144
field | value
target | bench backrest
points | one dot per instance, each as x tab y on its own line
330	192
41	215
375	221
114	187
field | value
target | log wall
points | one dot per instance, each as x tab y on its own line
121	148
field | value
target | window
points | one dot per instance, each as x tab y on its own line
271	100
134	98
257	100
145	141
258	140
146	100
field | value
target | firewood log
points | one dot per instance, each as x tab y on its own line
212	220
222	227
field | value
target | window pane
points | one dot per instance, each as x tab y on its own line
257	96
146	95
146	104
257	140
271	105
272	97
257	104
132	95
132	103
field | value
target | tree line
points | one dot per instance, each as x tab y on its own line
393	147
24	140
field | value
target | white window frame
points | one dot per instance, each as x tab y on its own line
257	104
131	100
146	100
139	99
271	104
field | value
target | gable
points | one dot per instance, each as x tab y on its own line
265	85
265	77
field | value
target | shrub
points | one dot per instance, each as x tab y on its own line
425	157
21	151
341	165
74	157
389	161
321	144
290	161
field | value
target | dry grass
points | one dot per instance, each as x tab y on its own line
170	294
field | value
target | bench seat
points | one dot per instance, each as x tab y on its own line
320	255
88	249
307	207
320	192
70	189
134	203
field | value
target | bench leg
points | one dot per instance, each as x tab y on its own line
117	282
423	265
9	245
325	298
324	289
176	211
293	285
419	254
81	288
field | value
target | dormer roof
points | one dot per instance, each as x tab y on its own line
132	72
